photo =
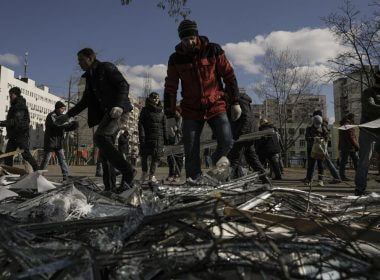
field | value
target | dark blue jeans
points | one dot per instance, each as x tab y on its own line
311	163
366	142
61	160
192	130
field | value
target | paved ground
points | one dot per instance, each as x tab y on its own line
292	179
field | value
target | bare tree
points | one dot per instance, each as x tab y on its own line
175	8
287	82
361	40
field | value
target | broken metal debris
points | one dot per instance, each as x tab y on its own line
235	230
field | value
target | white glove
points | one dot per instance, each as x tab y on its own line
235	112
116	112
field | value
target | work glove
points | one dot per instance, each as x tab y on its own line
3	123
116	112
235	112
60	120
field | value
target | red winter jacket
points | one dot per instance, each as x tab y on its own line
203	96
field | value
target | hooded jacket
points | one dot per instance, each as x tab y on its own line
152	129
105	88
17	121
347	138
55	133
201	73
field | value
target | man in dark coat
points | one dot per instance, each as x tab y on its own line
17	124
152	135
348	146
268	148
106	97
244	125
367	136
200	66
54	137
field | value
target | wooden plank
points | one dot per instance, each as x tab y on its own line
16	152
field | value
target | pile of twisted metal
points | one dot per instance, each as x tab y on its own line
241	229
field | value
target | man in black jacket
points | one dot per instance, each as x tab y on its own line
17	124
367	136
244	125
54	137
106	97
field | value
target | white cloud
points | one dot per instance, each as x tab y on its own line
9	58
136	74
315	46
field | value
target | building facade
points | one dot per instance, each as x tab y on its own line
347	97
39	100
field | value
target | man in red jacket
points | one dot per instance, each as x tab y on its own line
201	66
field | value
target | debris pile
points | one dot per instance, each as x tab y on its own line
237	230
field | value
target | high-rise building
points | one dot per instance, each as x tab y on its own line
39	100
347	96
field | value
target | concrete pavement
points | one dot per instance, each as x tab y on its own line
292	178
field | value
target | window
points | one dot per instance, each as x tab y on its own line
302	143
329	144
291	131
302	131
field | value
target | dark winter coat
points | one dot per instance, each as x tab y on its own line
200	72
245	124
312	132
152	129
17	122
105	88
123	143
55	133
268	144
347	139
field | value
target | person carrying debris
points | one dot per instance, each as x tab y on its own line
17	125
348	146
54	138
152	135
269	148
316	136
175	162
367	136
327	160
244	125
200	65
106	97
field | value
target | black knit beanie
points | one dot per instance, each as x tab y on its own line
59	104
187	28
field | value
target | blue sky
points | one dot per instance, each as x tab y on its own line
144	36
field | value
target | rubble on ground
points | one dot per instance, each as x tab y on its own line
240	229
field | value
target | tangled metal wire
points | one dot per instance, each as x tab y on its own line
237	230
